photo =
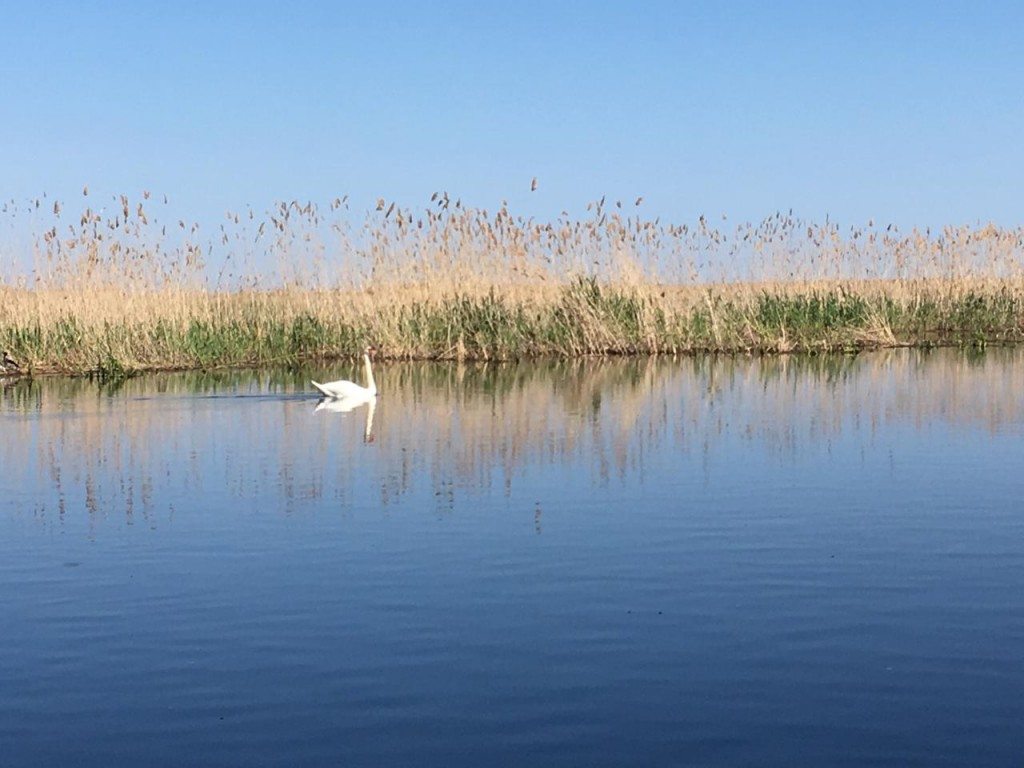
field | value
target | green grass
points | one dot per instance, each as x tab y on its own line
125	288
582	318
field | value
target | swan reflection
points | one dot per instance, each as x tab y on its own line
347	405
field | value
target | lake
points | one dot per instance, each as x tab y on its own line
700	561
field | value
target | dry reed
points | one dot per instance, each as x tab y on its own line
131	287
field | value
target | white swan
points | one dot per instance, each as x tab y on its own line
349	390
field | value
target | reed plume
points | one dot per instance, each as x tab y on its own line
128	285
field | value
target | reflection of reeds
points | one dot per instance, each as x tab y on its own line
131	286
445	430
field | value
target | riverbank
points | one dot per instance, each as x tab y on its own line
128	286
115	332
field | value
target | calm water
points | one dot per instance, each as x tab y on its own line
734	562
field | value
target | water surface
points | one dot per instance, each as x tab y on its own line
675	561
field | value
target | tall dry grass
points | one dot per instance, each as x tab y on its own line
125	285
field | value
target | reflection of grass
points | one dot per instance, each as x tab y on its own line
453	427
116	295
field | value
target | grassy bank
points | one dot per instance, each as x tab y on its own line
117	334
118	295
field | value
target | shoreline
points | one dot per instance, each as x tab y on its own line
7	379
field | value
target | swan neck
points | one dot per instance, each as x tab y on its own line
370	383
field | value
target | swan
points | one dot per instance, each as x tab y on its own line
349	390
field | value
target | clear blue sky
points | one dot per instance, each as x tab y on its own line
911	112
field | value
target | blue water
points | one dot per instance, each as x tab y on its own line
794	561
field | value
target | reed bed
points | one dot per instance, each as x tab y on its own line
128	286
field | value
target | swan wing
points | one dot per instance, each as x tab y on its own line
341	389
